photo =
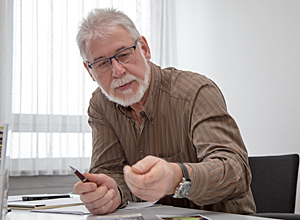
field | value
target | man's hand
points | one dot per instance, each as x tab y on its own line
100	195
152	178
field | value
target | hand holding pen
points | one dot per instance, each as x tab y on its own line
79	175
98	192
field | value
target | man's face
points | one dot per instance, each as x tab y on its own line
127	83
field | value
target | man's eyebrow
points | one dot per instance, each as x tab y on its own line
116	51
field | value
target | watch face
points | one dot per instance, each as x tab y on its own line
185	189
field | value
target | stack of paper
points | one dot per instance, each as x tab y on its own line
73	210
82	210
72	205
14	203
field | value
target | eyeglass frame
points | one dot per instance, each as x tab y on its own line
110	58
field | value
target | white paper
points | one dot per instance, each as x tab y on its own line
139	205
182	217
51	203
82	210
74	210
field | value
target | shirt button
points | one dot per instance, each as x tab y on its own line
142	114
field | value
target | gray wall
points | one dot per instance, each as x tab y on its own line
251	49
22	185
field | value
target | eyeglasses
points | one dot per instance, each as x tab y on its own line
124	56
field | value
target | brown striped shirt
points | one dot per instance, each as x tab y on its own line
185	120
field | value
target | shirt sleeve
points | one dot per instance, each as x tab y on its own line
107	156
222	172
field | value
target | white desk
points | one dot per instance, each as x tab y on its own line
148	214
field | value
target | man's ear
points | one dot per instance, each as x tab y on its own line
145	47
89	71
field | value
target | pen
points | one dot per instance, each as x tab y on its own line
44	197
79	175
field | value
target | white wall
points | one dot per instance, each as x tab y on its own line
251	49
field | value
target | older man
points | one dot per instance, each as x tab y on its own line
158	134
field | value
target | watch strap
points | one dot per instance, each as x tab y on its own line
185	172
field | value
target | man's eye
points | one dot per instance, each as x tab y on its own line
101	64
123	56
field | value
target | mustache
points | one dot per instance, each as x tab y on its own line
122	81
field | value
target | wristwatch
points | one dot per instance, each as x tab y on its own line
185	186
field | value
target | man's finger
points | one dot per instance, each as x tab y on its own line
96	178
81	187
145	165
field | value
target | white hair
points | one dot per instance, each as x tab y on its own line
100	23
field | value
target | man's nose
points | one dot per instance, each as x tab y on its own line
117	68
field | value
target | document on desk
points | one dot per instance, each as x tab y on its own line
44	204
82	210
73	210
182	217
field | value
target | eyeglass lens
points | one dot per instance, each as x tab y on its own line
122	57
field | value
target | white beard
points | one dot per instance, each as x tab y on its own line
130	96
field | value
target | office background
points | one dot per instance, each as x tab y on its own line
251	49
